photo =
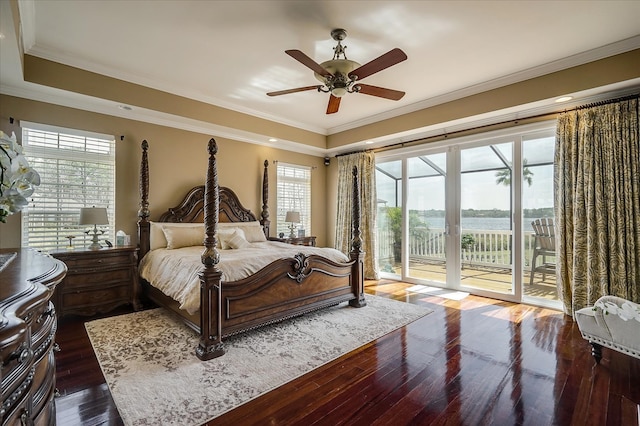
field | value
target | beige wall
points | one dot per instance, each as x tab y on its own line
177	162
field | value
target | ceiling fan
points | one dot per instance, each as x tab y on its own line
341	75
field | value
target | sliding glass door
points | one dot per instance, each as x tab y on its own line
389	217
486	174
458	215
426	220
538	273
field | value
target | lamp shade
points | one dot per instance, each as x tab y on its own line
293	217
93	216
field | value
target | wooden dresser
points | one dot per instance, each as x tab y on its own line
27	337
98	280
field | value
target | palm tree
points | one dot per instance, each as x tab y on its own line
503	177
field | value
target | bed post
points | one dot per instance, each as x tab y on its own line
356	255
143	213
265	200
211	345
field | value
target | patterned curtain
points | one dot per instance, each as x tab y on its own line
365	162
597	198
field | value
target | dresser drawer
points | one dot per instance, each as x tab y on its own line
17	413
75	280
47	416
17	358
44	381
43	325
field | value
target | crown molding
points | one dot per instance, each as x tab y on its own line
27	10
53	55
101	106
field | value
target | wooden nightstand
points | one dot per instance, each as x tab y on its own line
97	281
299	241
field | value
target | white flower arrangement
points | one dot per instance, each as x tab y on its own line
17	178
625	311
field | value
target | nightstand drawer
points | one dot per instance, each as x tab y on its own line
96	297
75	280
93	262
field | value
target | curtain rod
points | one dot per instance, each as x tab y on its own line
354	152
608	101
502	124
473	130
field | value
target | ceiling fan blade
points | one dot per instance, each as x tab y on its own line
334	104
390	58
298	89
381	92
308	62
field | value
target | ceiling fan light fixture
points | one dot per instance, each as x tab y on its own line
339	92
339	75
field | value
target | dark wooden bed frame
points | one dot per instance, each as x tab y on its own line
283	289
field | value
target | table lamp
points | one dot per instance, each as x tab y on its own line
293	217
94	216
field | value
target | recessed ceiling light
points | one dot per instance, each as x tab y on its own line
125	107
564	99
368	142
273	140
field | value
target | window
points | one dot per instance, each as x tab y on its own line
77	169
294	194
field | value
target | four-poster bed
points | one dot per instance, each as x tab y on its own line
298	283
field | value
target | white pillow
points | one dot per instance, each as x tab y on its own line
252	230
254	234
157	239
224	235
184	236
237	240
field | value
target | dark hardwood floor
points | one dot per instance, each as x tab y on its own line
476	361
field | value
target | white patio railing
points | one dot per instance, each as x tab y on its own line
489	247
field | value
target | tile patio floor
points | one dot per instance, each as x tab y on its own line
485	278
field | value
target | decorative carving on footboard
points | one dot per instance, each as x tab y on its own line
300	266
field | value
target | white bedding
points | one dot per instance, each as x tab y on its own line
175	272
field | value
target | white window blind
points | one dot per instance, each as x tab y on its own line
77	169
294	194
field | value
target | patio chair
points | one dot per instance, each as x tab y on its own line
545	245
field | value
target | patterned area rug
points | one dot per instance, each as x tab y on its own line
155	378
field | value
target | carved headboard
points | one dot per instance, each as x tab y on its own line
191	209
